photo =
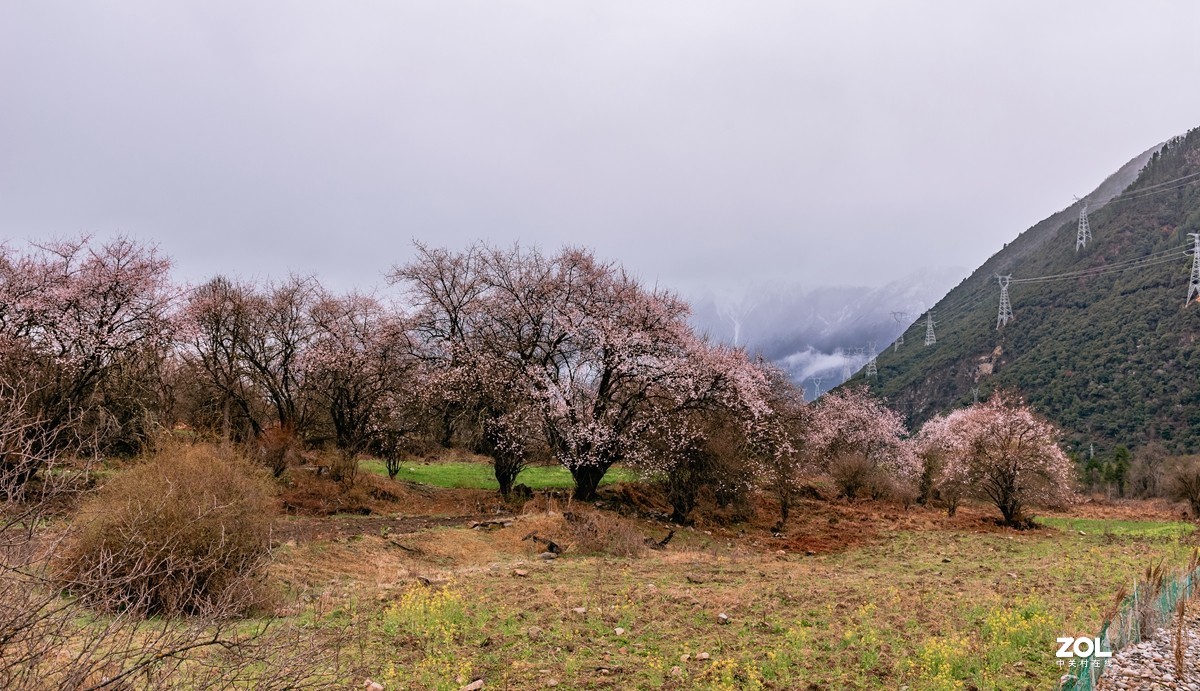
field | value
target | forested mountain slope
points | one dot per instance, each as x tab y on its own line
1109	350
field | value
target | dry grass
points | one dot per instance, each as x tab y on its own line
873	611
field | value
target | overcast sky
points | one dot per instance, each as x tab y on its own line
700	143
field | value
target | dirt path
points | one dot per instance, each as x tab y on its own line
301	529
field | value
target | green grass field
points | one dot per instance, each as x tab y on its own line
466	475
1164	529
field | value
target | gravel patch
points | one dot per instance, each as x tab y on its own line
1151	663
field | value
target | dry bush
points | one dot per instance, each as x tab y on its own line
278	449
1148	470
597	532
307	493
48	641
856	476
580	531
1183	482
188	533
714	507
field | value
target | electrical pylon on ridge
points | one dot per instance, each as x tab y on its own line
1005	306
1194	284
899	317
1084	235
816	387
872	369
930	336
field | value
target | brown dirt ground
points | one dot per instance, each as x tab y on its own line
320	509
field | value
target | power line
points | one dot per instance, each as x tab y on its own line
1148	260
1157	188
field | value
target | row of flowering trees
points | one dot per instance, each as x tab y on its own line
519	355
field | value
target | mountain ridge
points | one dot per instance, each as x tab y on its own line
1107	353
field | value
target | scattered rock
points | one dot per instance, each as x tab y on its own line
547	556
945	560
702	656
534	633
619	631
551	682
473	686
696	578
676	671
1150	664
722	618
781	552
372	686
520	573
685	657
809	553
580	610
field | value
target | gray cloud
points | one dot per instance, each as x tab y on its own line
703	144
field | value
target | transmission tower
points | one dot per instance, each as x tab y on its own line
974	394
1084	236
930	338
899	317
872	370
846	371
1005	306
1194	284
816	387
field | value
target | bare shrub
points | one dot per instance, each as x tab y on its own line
343	468
48	641
310	494
580	530
1146	474
596	532
188	533
278	448
856	476
1183	482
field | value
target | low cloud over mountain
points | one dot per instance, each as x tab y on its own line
816	332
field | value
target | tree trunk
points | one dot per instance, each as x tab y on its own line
587	479
1011	510
506	475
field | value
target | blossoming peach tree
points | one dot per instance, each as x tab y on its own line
1002	452
83	327
857	438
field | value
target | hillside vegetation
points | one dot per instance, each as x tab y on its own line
1109	356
